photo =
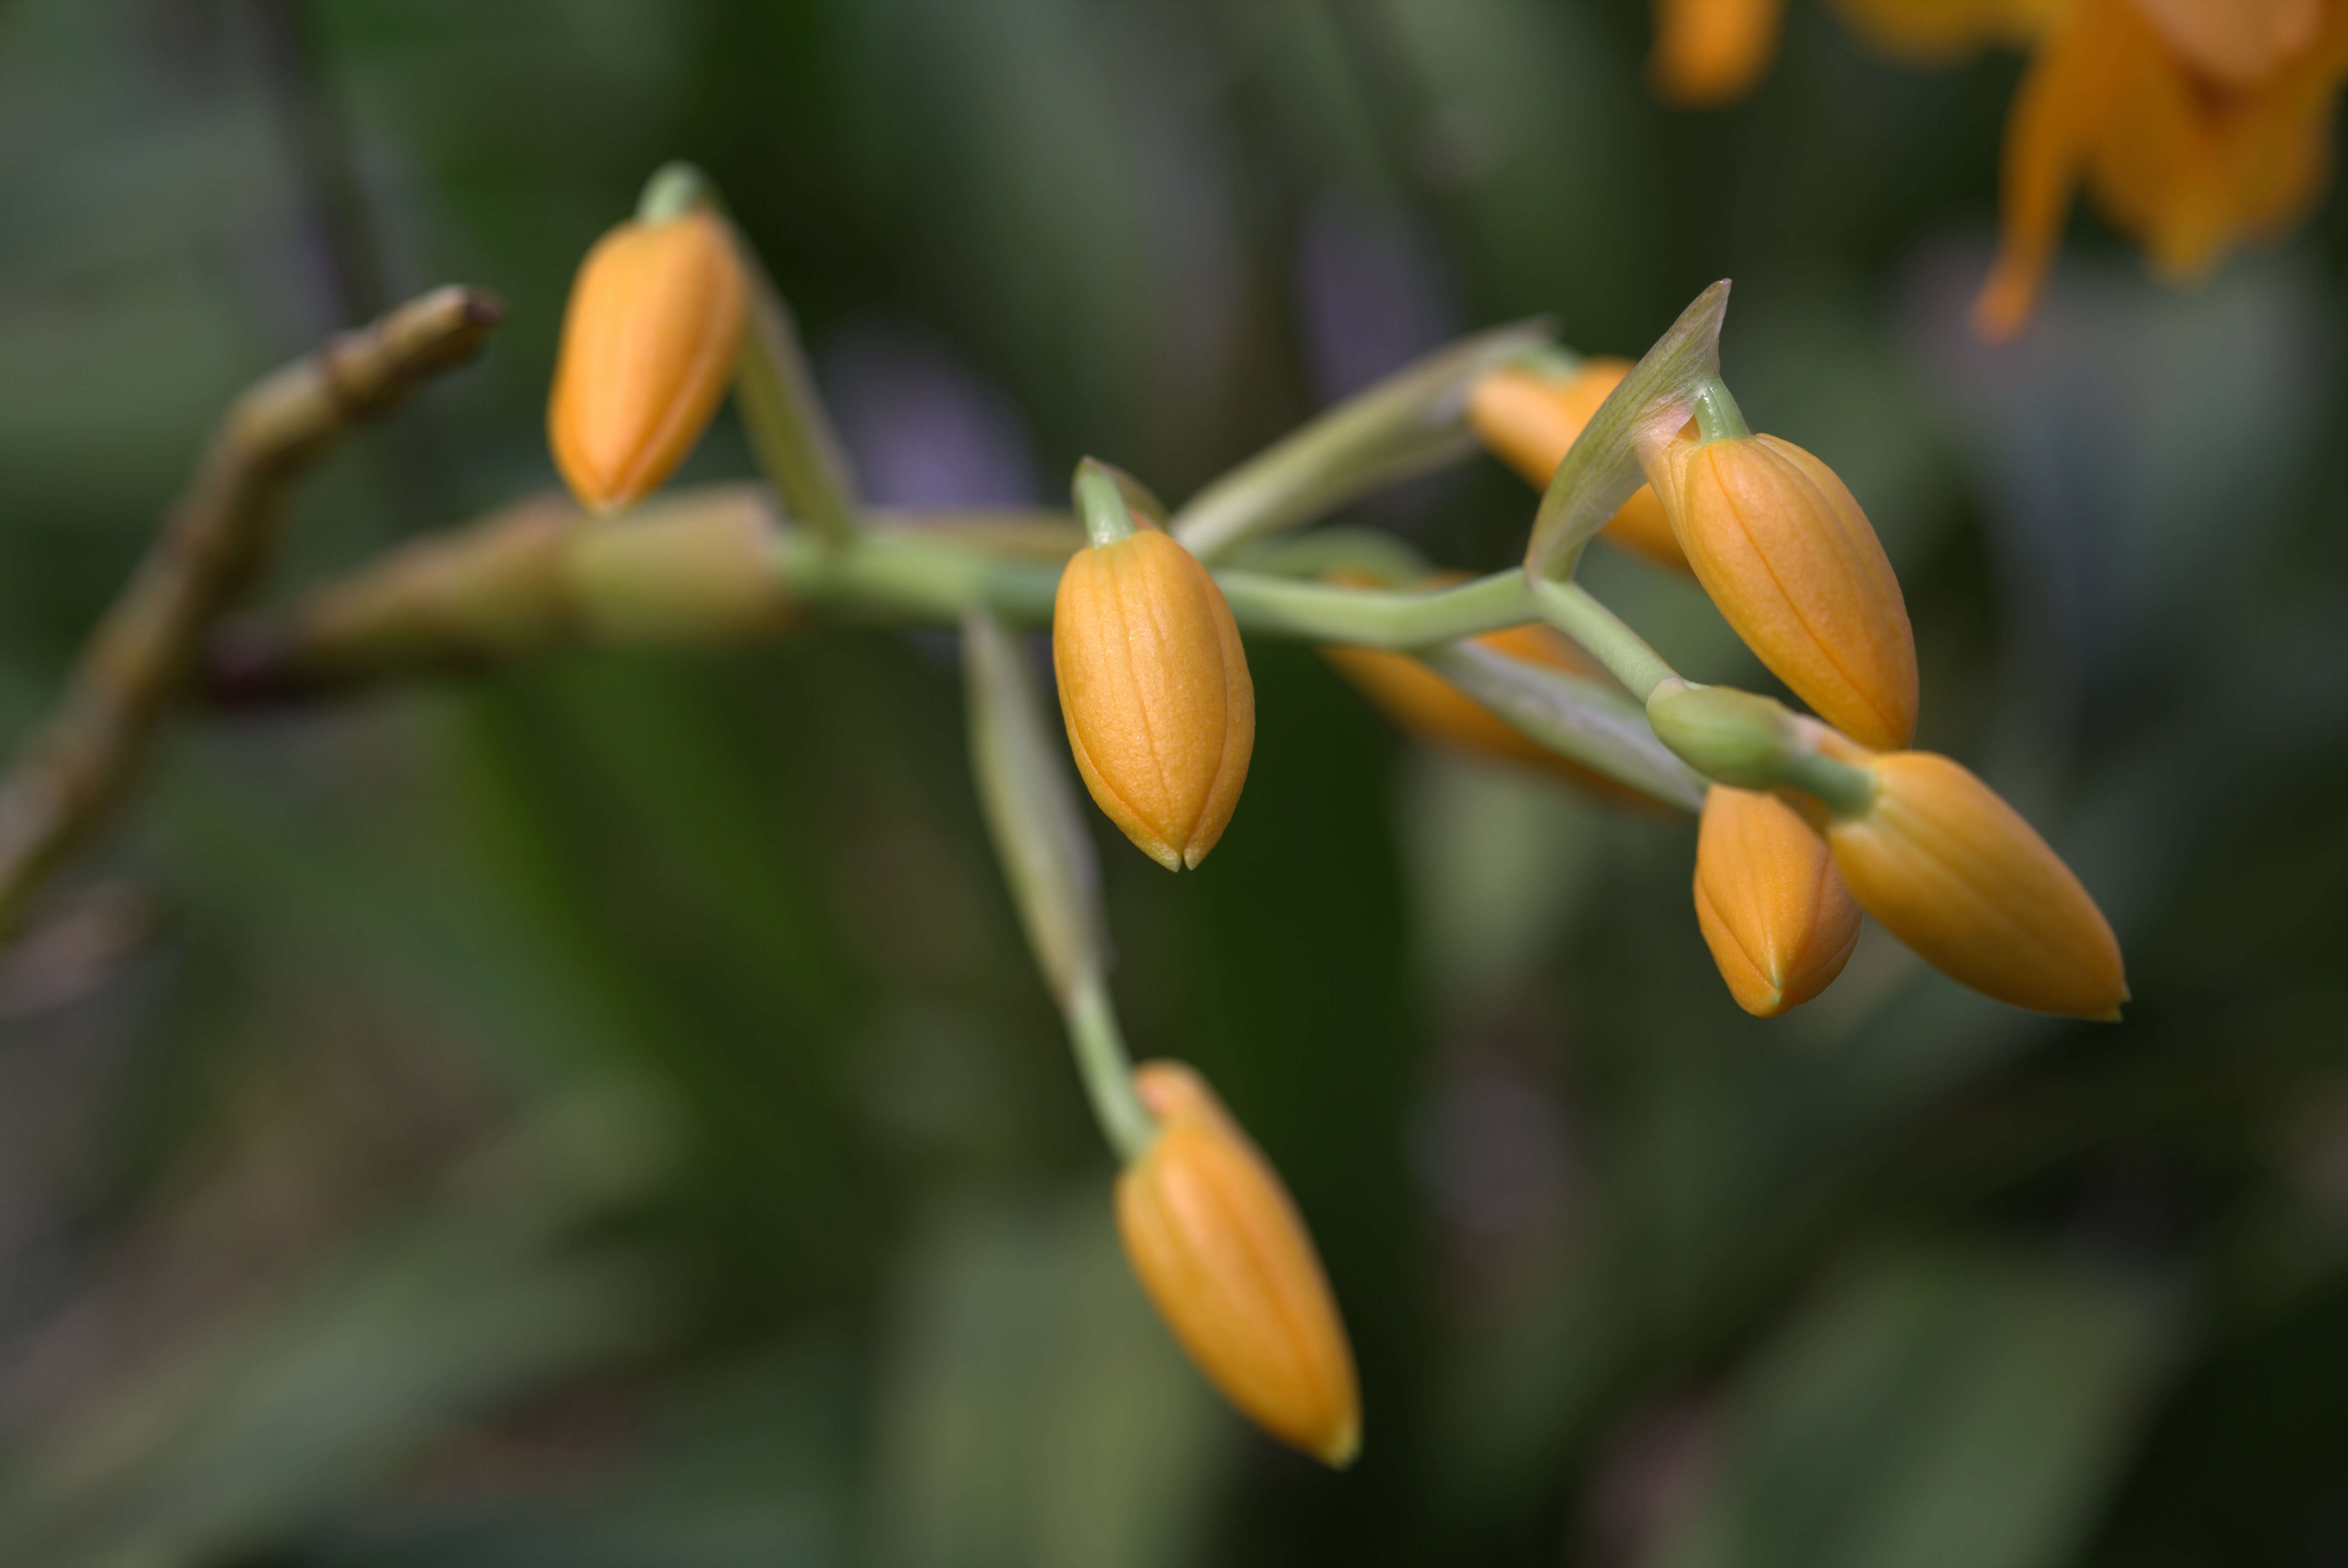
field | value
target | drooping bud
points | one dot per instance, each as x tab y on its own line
649	343
1954	871
1773	909
1529	423
1792	563
1153	686
1226	1258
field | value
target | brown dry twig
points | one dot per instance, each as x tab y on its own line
213	544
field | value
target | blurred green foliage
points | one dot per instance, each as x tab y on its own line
601	1113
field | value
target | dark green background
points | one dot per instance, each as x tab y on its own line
601	1113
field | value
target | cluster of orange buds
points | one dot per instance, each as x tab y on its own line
1793	565
1223	1255
1805	823
1153	681
1915	840
2194	124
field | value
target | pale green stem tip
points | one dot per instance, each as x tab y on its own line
673	190
1718	417
1101	504
1845	790
1107	1070
1575	611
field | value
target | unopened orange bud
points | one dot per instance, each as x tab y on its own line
1223	1255
1954	871
1154	687
1774	910
649	342
1791	561
1531	422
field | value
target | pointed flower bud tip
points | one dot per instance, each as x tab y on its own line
1774	910
1155	690
1530	422
1225	1260
1954	871
1793	564
649	343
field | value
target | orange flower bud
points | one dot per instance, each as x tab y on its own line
1531	422
1774	910
649	342
1954	871
1223	1255
1793	563
1711	51
1154	687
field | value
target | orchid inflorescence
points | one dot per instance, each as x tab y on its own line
1806	819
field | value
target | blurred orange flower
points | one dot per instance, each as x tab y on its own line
2194	125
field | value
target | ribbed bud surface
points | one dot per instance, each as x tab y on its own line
1785	551
1773	909
1224	1256
1154	687
1954	871
649	342
1531	422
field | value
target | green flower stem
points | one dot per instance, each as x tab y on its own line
918	575
1101	504
790	434
1414	421
1376	617
908	574
1845	790
673	190
1107	1070
1752	742
1718	417
1575	611
1384	560
1581	719
1021	766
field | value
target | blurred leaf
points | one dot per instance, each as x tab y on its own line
741	1466
239	1438
1934	1410
1035	1413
